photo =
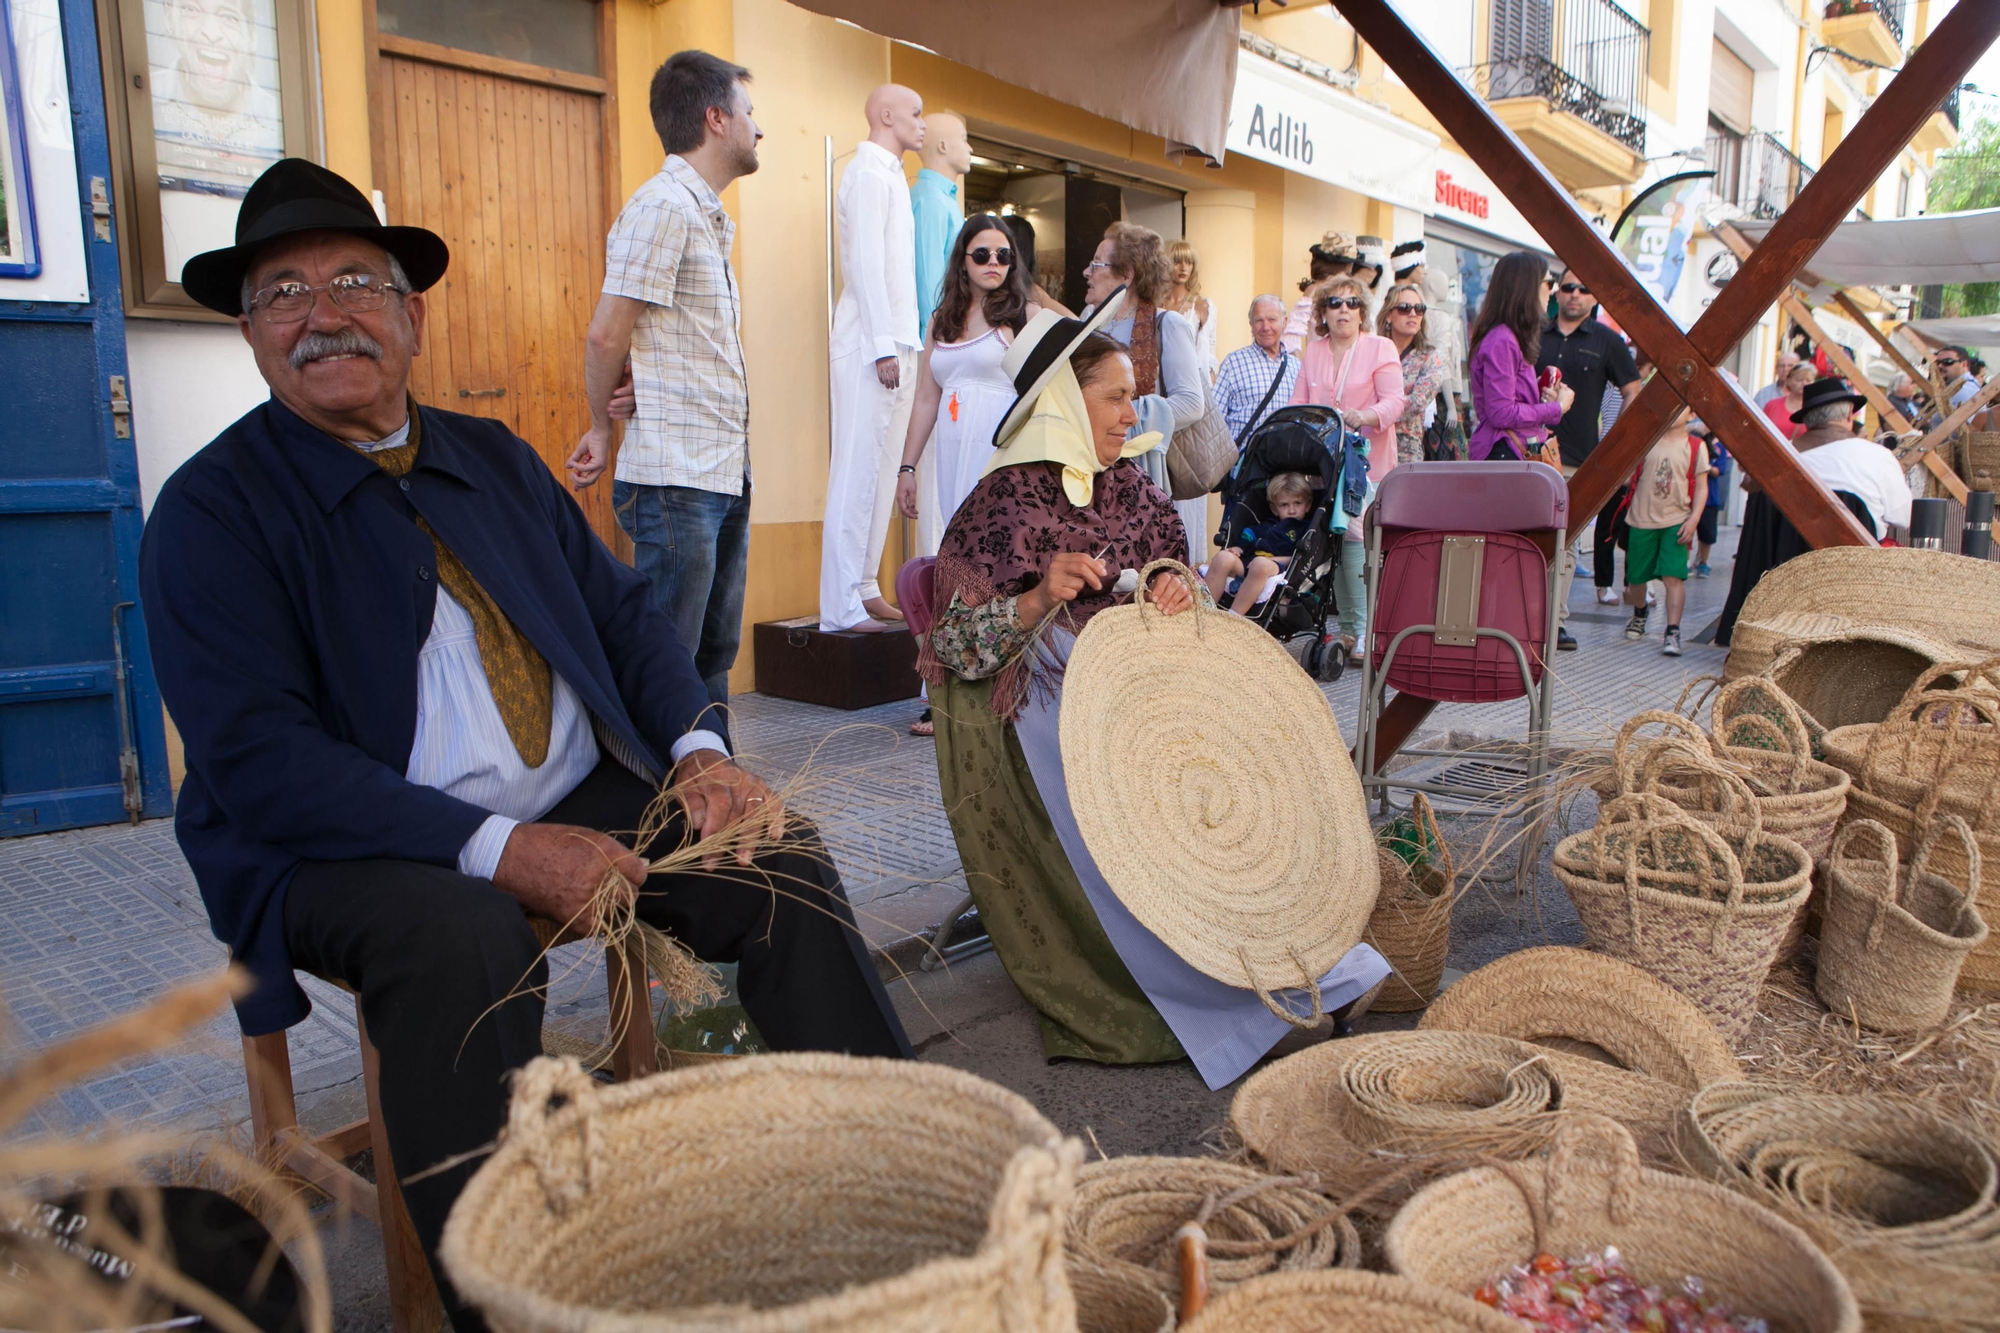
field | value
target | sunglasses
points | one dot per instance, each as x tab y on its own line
1572	287
981	255
1548	282
1343	303
1407	309
1946	361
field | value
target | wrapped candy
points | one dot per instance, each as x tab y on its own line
1595	1294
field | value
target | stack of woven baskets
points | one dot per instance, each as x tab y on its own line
1936	754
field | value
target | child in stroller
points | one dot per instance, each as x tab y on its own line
1267	547
1314	443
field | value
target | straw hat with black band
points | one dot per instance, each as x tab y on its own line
294	197
1043	348
1821	392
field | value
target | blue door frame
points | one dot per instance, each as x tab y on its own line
82	739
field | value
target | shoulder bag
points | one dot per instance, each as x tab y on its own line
1201	453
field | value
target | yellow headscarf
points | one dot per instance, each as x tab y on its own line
1058	431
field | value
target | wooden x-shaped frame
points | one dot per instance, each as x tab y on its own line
1686	360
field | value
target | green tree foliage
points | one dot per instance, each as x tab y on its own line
1969	177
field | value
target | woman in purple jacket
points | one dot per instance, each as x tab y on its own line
1513	413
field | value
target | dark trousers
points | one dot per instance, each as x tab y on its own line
1603	543
431	950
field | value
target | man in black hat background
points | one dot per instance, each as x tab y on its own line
415	690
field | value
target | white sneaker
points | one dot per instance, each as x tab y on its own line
1607	596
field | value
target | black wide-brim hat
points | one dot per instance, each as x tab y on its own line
1041	349
1821	392
293	196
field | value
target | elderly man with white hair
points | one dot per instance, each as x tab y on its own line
1256	380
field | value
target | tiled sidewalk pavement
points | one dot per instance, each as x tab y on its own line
94	922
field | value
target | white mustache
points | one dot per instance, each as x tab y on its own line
347	342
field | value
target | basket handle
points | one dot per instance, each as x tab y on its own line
1756	722
1195	587
1732	900
1620	748
1425	818
1708	685
1907	722
1587	1147
1725	717
1920	859
1840	861
550	1115
1269	996
1964	671
1671	752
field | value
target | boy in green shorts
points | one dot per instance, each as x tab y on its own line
1664	508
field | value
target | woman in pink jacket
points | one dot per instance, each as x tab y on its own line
1362	375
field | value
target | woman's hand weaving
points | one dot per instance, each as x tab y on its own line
717	795
1069	573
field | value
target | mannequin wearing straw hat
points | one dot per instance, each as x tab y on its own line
1049	538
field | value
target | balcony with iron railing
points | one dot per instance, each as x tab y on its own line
1874	30
1770	177
1940	129
1568	77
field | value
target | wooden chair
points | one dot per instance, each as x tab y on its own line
321	1160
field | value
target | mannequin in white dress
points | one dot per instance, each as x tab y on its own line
1185	296
962	393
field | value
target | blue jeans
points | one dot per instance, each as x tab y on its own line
695	547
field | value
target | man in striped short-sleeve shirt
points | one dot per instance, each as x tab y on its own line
670	311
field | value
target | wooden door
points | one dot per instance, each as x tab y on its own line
507	162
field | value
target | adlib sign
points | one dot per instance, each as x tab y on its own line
1282	117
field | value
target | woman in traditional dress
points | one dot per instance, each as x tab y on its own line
1030	557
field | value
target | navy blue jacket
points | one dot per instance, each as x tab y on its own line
287	590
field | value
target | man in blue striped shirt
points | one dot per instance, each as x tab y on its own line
1262	373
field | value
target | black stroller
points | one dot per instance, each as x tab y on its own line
1316	442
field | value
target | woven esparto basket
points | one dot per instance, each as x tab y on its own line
1580	996
1857	674
1411	924
1758	696
1894	938
1590	1192
1759	733
1933	593
799	1192
1900	1198
1980	973
1127	1209
1936	745
1259	874
1657	888
1755	644
1317	1302
1334	1110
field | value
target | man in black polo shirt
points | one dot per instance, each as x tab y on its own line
1590	357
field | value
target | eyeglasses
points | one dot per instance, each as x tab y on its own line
356	293
1407	309
1095	263
981	255
1548	282
1573	287
1343	303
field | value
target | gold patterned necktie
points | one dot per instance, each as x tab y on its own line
523	686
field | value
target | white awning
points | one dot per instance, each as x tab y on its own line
1937	248
1161	66
1982	331
1291	120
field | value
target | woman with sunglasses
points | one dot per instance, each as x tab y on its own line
1362	375
1402	323
1514	414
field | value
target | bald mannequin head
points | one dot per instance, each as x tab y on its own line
947	149
895	119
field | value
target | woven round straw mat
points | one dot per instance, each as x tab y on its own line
1215	793
1558	992
807	1193
1318	1302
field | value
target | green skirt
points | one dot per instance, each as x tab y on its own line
1043	927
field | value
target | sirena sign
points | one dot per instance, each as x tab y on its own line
1282	117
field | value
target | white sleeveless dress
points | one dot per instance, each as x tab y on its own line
975	395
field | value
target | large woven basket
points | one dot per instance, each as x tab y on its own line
1857	673
1894	938
1579	996
1661	890
1936	750
1760	734
1901	1199
1411	924
1318	1302
1982	460
1941	596
1590	1192
789	1192
1755	644
1237	835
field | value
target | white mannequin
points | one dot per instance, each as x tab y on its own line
947	147
874	353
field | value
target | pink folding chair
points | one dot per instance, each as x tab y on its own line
1462	584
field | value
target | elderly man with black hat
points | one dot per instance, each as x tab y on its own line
1862	475
417	692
